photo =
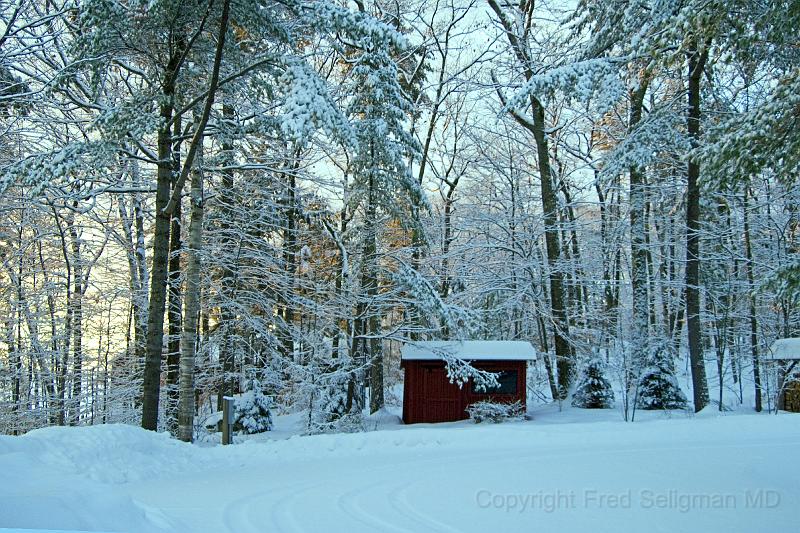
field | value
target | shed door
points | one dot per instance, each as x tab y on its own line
441	399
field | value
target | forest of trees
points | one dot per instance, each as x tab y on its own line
200	197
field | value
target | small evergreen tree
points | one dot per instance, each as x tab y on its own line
594	390
331	414
658	388
253	411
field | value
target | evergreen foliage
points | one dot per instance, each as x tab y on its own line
361	186
253	411
594	391
331	413
658	388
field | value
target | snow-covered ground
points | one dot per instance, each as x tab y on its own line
575	470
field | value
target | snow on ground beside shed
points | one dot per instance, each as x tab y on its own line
659	474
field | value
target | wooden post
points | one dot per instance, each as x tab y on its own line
784	381
228	413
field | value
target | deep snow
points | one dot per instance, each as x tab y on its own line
576	470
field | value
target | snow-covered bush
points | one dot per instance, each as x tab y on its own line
495	412
253	411
344	423
327	398
658	388
594	391
332	416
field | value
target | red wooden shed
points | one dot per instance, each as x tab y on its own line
428	395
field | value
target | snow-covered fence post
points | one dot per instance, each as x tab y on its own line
228	415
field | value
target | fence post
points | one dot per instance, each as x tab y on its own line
228	413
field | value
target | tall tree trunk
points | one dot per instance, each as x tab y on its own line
137	278
141	295
52	368
610	307
369	283
564	358
229	268
638	198
651	274
192	307
62	361
290	252
581	298
77	320
753	319
536	126
166	202
342	270
696	64
175	303
151	386
678	307
447	239
14	363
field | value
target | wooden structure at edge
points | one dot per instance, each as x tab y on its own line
428	395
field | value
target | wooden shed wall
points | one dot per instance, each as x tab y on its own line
428	395
791	396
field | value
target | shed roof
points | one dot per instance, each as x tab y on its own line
469	350
784	350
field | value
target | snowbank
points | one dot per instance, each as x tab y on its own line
658	474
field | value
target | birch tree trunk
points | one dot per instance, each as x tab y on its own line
77	321
175	300
191	308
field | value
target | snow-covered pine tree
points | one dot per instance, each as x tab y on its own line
269	49
331	414
382	185
658	388
253	410
593	391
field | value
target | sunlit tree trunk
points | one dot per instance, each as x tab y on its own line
151	385
175	296
186	403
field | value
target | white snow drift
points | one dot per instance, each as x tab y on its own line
705	473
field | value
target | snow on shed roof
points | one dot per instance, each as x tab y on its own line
470	350
784	350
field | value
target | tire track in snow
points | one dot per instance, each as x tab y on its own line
248	514
388	503
405	508
350	503
290	512
398	499
401	474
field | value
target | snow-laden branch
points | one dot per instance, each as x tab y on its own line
659	132
595	80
